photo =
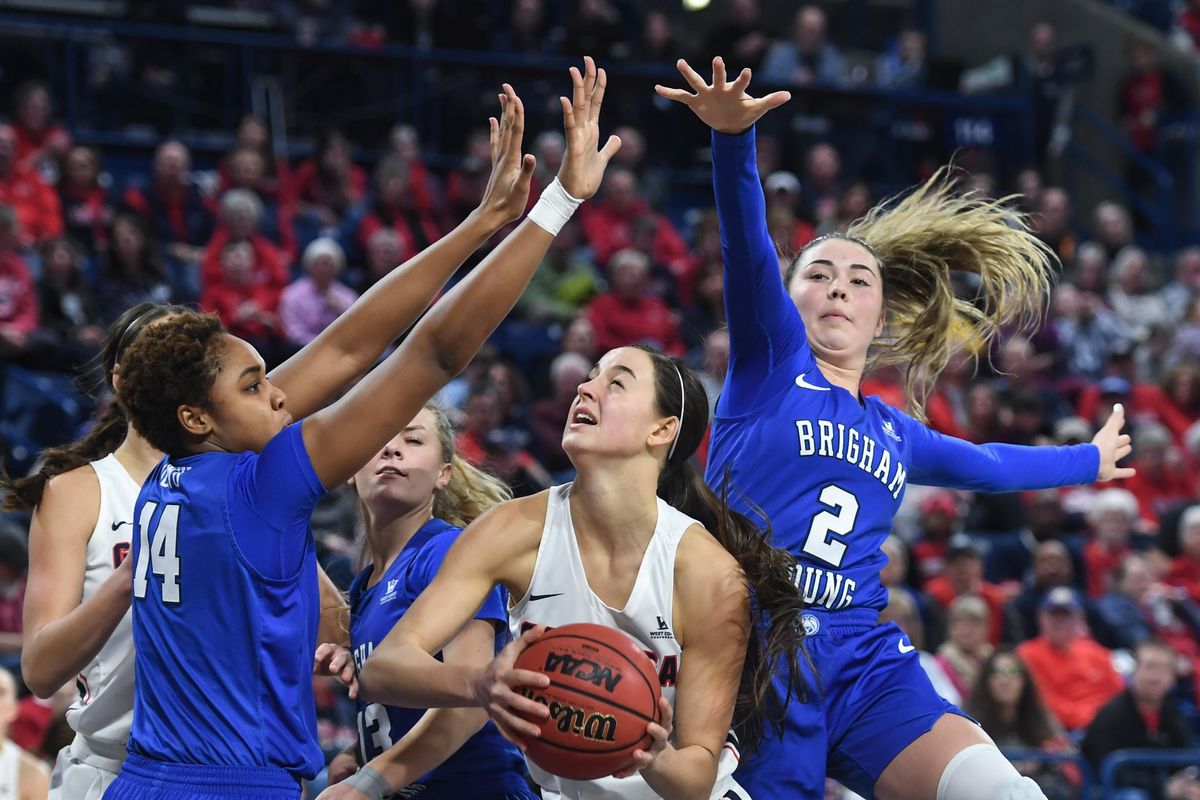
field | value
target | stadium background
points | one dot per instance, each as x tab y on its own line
270	160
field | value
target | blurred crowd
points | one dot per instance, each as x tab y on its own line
1065	621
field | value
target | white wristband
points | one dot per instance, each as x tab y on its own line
368	781
553	208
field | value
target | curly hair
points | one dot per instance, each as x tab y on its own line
918	242
174	367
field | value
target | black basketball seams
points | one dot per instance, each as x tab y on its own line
601	699
649	686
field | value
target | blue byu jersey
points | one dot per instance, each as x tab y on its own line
828	469
374	611
225	610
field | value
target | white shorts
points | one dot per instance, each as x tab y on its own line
77	779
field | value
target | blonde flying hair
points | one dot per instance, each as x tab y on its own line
918	242
470	491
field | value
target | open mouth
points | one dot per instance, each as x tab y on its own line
391	472
582	417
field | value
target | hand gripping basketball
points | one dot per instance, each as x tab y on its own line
659	733
518	718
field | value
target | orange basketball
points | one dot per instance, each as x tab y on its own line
603	692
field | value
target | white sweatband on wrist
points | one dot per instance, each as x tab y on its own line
553	208
368	781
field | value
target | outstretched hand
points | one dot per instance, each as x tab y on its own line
507	191
583	165
724	105
1113	446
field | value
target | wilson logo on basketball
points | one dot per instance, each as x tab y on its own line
582	669
577	721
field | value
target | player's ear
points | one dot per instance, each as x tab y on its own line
664	433
444	476
879	326
194	420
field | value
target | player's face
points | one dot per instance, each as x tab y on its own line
408	471
839	293
614	411
247	410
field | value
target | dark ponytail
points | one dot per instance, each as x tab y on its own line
108	429
776	632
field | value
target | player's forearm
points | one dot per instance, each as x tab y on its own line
436	736
682	774
61	649
405	675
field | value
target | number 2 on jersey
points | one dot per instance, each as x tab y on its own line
826	526
159	553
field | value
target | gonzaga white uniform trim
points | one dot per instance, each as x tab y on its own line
103	709
10	771
559	594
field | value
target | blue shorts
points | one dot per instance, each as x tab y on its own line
142	778
873	700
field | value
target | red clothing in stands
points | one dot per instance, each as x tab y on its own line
620	321
1098	566
307	189
35	203
1185	573
1075	681
18	297
940	590
608	231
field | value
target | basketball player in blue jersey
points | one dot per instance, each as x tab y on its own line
224	570
829	466
416	494
640	544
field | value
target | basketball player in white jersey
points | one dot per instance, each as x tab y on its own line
637	543
22	777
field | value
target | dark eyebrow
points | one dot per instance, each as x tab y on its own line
248	370
619	367
826	262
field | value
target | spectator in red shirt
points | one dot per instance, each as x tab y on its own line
397	208
245	303
482	417
1074	674
275	182
14	564
607	223
176	213
247	170
1185	567
328	185
18	299
1111	516
40	143
1163	477
34	202
782	191
1146	92
86	206
964	577
404	143
629	314
385	252
241	215
939	518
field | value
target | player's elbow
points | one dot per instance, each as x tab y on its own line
40	680
372	680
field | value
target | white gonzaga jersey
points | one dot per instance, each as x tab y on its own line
104	709
559	594
10	771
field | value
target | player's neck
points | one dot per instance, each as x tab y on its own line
848	378
137	456
389	529
616	503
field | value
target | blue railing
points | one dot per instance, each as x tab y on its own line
1160	764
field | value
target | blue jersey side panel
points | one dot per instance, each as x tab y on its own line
225	642
374	612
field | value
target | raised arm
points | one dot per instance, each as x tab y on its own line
343	436
940	460
63	634
350	346
764	326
